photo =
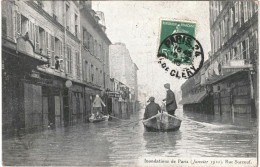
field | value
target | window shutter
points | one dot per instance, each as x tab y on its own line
61	55
245	12
241	50
52	49
231	18
247	49
18	24
37	45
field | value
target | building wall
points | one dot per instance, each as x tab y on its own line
95	49
233	23
52	27
122	67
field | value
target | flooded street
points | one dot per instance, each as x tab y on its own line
112	144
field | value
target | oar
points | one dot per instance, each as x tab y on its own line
129	123
151	117
187	119
147	119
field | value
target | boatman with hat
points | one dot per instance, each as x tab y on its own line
171	105
151	109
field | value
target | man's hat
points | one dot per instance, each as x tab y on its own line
167	86
151	99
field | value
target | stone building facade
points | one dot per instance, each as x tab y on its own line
230	74
123	68
95	53
45	81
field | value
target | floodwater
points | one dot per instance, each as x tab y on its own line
115	142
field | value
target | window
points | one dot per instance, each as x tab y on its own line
92	74
24	25
95	48
223	28
236	12
18	24
47	44
42	40
4	26
67	17
250	9
234	51
228	56
226	25
219	37
217	4
241	51
78	64
31	31
256	7
88	40
92	45
231	18
240	7
213	43
100	78
52	48
58	53
238	52
245	49
100	51
37	44
97	77
86	76
245	11
85	37
69	60
76	25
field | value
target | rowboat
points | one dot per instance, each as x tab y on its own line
162	122
100	118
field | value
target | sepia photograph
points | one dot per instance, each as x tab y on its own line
130	83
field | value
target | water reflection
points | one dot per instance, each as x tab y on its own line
110	143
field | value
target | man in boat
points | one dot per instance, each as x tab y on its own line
97	106
171	105
151	109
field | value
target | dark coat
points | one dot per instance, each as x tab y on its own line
170	101
151	110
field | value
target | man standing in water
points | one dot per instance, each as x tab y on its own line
171	105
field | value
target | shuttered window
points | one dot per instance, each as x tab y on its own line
37	44
68	60
78	64
245	11
52	49
18	24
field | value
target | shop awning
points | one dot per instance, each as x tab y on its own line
196	98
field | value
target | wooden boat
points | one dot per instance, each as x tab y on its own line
162	122
100	118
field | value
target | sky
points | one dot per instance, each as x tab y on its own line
136	23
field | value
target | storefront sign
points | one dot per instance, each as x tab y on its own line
113	94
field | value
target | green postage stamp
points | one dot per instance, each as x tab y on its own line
173	53
178	45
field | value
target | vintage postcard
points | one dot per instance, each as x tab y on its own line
130	83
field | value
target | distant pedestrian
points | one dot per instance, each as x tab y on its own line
97	106
151	109
171	105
